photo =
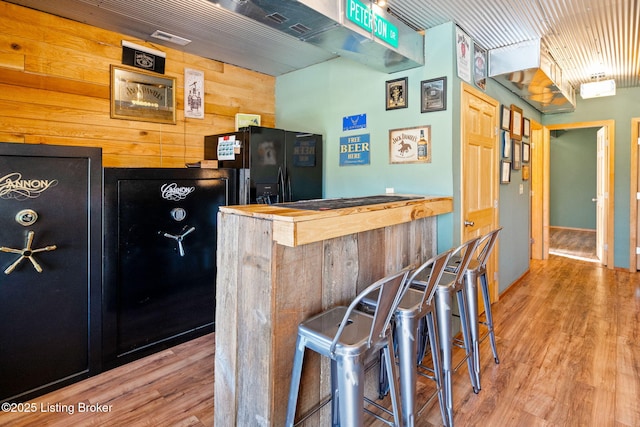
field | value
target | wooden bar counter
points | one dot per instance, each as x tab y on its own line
280	264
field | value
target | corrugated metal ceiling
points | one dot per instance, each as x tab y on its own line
584	36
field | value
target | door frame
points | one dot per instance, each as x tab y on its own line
609	125
633	198
537	189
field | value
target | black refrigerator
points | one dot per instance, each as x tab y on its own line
272	165
160	241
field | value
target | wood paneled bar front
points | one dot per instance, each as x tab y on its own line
280	264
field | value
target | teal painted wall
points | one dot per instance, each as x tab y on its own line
317	98
573	178
621	108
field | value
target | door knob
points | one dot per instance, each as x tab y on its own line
469	223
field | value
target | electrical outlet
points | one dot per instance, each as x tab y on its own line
390	190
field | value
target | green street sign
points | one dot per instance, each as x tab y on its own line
362	15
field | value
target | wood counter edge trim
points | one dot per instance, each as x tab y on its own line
300	233
276	213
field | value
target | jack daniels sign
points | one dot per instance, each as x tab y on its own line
142	57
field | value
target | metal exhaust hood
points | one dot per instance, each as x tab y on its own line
533	75
324	24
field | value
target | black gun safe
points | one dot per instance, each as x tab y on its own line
160	257
50	267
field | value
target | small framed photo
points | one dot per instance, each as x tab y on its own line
505	118
244	120
396	93
516	123
526	172
526	128
433	95
505	172
526	152
516	162
506	144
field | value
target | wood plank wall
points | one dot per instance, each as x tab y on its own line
55	89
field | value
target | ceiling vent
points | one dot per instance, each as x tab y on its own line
161	35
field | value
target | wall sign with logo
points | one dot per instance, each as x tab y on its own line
143	96
143	57
358	121
410	145
355	150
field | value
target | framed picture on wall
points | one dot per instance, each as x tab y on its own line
505	172
526	172
526	152
505	121
396	93
516	123
526	128
142	96
506	144
433	95
516	160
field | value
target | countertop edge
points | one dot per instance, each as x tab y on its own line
288	214
294	227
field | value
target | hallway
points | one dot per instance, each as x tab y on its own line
573	243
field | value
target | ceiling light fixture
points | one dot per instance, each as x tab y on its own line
161	35
598	89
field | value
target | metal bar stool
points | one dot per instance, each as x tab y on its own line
448	285
476	274
414	307
348	336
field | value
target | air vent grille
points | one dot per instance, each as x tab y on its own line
300	29
277	18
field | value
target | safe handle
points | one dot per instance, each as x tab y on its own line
179	238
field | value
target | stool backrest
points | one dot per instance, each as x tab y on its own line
434	268
465	251
486	244
391	289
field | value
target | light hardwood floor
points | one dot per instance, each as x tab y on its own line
568	340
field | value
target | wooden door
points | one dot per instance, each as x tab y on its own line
479	181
